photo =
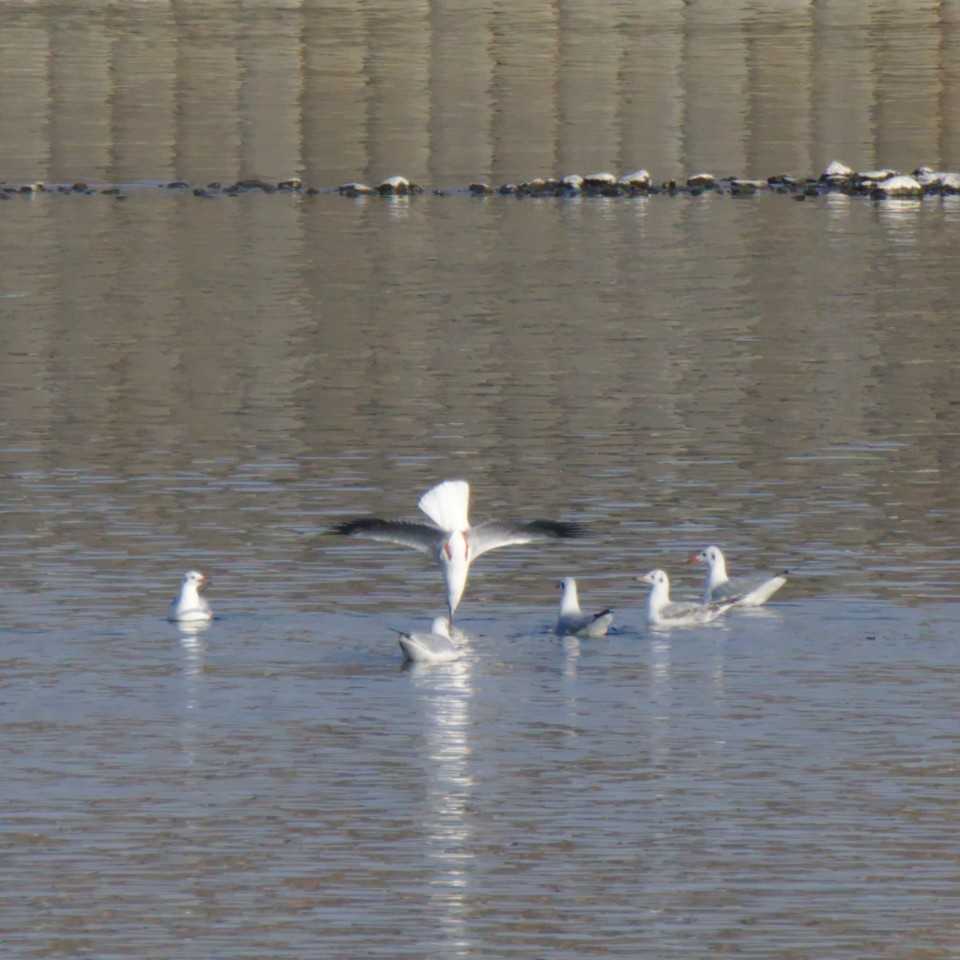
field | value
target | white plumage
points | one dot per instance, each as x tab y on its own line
188	606
751	590
437	646
451	541
573	621
662	612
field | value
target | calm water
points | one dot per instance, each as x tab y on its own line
214	383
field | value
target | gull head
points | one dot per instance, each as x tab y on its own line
711	556
196	579
656	578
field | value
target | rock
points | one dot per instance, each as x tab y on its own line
480	189
573	182
638	180
949	182
877	175
598	180
836	171
540	187
702	180
936	181
902	185
255	184
394	186
355	190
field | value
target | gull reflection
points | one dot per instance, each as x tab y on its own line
571	650
661	697
445	693
193	649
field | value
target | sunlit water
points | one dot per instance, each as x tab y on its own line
190	383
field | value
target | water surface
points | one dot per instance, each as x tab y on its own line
188	383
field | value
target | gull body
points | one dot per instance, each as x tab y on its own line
573	621
662	612
188	606
450	539
437	646
752	589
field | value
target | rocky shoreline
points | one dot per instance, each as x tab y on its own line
836	178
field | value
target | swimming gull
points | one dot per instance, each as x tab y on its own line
753	589
573	621
437	646
662	612
188	606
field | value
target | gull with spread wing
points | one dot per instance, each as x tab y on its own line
450	540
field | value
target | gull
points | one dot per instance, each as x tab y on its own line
189	606
752	589
451	541
434	647
572	620
661	612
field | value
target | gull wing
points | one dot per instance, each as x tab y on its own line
750	590
416	535
494	533
585	624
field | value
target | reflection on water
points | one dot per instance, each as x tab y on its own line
446	95
194	648
189	383
444	695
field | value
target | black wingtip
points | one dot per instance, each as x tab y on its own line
348	528
560	529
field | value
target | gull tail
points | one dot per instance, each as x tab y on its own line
447	503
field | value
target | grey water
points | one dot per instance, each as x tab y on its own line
214	383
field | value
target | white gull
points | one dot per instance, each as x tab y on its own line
188	606
752	589
451	541
661	612
573	621
434	647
